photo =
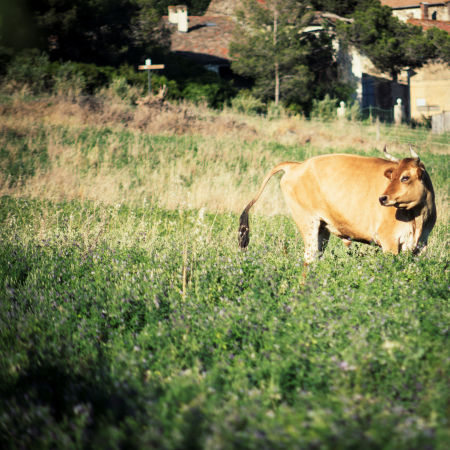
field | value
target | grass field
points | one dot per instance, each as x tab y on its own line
130	319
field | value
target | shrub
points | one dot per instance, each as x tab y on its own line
30	68
68	80
5	57
353	111
276	111
119	89
158	81
211	93
246	103
324	109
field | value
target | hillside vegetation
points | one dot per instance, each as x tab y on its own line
103	149
129	317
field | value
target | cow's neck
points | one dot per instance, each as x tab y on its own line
420	217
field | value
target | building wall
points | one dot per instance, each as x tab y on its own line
430	91
372	87
351	67
440	13
405	14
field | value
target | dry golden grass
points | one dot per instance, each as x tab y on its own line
212	178
192	119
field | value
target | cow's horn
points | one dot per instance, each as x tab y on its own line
413	153
389	156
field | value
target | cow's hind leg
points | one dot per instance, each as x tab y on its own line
315	237
309	227
314	234
324	236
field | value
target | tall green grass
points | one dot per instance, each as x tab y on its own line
140	327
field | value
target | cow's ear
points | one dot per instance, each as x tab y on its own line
420	170
388	173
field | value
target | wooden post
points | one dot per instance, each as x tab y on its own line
149	66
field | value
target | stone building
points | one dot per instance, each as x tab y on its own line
206	40
429	85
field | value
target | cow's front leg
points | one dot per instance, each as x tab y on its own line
389	243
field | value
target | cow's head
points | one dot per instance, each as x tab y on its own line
406	188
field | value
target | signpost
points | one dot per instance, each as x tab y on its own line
149	66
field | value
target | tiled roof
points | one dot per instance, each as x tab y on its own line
408	3
209	36
426	24
207	39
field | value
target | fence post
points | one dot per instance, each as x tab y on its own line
440	123
398	112
341	110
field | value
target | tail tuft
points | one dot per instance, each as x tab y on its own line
244	230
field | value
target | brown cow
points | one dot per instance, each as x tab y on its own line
349	195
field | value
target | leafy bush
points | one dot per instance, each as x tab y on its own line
213	93
120	89
68	80
353	111
324	109
34	69
246	103
158	81
31	68
6	54
277	111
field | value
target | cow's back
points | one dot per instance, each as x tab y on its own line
342	190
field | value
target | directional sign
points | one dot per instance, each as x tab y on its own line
148	66
151	67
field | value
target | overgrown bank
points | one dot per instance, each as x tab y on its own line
176	155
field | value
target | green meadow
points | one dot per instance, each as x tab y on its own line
129	318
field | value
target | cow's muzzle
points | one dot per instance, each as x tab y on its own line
383	200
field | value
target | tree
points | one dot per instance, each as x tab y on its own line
149	35
344	8
271	46
104	32
390	44
439	44
341	7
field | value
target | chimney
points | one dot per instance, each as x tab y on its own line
424	10
182	18
173	15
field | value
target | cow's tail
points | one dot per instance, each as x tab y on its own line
244	228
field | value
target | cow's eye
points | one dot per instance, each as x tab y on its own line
404	179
